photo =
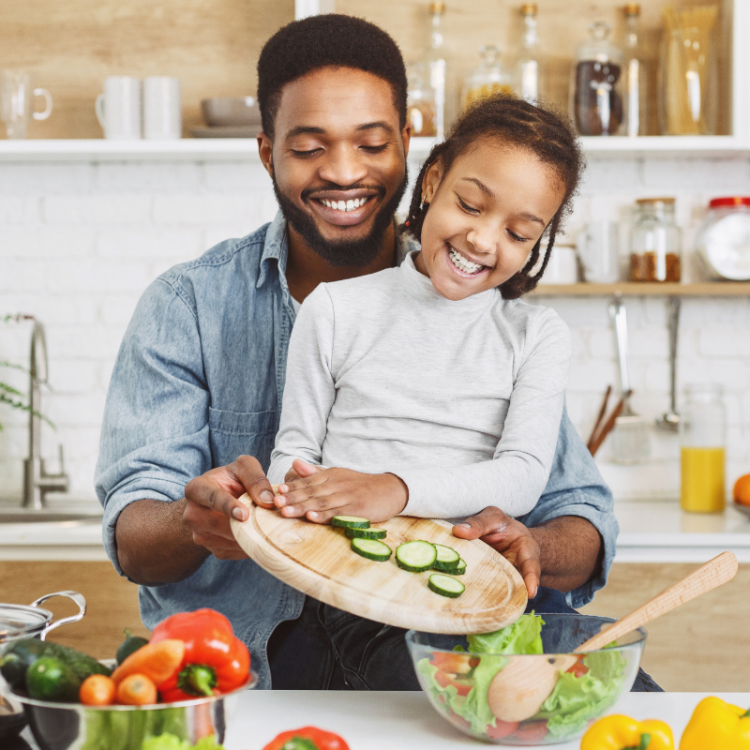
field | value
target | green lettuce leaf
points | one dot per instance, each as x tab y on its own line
575	700
171	742
524	636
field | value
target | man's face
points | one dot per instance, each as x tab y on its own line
338	162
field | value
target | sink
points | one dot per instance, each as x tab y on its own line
47	516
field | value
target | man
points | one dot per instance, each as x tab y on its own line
196	392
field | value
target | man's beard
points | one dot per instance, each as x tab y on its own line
357	253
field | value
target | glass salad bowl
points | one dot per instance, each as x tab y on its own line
456	672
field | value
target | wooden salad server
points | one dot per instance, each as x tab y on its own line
519	689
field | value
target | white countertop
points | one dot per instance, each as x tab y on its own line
650	531
406	721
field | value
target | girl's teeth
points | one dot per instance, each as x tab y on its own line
345	206
462	263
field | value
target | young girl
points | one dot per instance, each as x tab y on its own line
430	389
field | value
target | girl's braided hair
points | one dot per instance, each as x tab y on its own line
521	125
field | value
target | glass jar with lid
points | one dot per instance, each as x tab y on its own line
420	101
655	241
488	79
595	84
702	439
723	241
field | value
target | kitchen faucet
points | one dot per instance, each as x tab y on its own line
36	481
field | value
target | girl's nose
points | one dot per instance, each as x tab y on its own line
483	239
343	166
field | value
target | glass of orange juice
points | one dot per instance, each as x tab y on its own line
702	437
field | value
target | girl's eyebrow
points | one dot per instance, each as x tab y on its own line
488	192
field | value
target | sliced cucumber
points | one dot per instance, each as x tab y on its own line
460	568
447	558
366	533
445	585
350	522
416	556
372	549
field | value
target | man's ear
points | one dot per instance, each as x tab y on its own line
265	149
431	180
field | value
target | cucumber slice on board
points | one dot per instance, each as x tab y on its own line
445	585
366	533
350	522
416	556
460	568
447	558
372	549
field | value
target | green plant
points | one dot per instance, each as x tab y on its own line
10	395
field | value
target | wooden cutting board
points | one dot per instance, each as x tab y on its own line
318	560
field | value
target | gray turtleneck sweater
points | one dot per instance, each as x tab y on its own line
462	400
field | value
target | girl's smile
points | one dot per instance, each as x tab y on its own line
485	215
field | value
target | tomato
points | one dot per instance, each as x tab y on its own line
454	662
463	687
501	729
459	721
319	737
532	731
578	669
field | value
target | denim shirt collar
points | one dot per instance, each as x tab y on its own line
276	247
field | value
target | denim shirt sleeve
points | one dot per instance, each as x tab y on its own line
576	488
155	435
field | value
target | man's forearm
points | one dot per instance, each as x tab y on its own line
571	550
153	544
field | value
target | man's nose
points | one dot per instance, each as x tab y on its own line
343	166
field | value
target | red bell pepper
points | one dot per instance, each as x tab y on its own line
307	738
215	661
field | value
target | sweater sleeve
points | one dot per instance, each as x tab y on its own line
309	389
517	474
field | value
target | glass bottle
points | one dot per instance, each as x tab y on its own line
420	102
528	69
688	71
635	115
437	64
702	438
595	82
488	78
655	241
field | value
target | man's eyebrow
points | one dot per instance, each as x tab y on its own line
375	125
488	192
303	130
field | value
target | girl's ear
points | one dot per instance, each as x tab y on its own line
431	180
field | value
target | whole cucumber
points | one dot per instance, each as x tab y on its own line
129	646
50	679
22	654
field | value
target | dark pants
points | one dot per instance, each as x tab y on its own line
328	649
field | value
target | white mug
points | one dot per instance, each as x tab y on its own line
598	247
15	102
562	267
162	108
118	109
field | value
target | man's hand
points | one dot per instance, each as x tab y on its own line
510	538
212	499
320	494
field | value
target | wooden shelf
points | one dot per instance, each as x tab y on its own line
628	289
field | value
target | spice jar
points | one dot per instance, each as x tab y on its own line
488	79
702	437
595	81
723	241
655	241
420	101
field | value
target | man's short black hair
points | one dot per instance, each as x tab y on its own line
319	41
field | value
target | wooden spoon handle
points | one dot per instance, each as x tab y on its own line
715	572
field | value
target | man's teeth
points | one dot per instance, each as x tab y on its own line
345	205
462	263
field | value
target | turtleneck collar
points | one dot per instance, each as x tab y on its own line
420	287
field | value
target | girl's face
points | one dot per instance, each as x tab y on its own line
486	214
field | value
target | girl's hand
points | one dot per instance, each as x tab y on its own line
325	493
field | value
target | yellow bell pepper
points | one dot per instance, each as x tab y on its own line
717	725
619	732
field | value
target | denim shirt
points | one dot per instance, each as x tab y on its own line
199	380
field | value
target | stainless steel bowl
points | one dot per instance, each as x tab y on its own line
18	621
61	726
224	111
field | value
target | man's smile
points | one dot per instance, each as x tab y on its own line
344	208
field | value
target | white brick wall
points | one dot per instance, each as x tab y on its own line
80	242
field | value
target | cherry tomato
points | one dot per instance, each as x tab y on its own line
501	729
578	669
454	662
